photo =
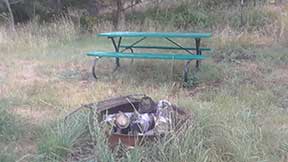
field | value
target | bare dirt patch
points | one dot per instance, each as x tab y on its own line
250	67
77	71
35	116
252	73
27	74
3	75
3	70
203	87
279	76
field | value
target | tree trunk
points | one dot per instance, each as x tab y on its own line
11	16
56	5
241	10
93	8
119	16
59	6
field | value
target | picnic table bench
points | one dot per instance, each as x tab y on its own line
120	48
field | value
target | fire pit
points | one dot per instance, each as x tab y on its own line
135	119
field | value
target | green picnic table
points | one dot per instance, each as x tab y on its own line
190	53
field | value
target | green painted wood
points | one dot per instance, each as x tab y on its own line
156	34
147	56
165	47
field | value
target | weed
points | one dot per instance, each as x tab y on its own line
102	150
205	74
10	129
56	141
7	155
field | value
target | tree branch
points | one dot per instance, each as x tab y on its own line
12	24
132	5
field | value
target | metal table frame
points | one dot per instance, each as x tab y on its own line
113	36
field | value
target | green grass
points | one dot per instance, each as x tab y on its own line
56	141
237	117
275	55
238	97
198	16
7	155
10	128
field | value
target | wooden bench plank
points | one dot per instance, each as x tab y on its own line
148	56
164	47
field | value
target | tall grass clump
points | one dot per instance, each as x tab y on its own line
236	132
180	17
209	138
227	127
102	151
205	15
7	155
205	74
254	19
222	130
37	36
56	141
10	129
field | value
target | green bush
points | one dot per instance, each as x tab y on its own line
88	22
254	19
191	15
181	17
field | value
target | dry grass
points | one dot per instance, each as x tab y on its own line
32	36
239	97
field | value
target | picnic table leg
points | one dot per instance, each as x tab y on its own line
94	67
186	70
116	47
132	51
198	51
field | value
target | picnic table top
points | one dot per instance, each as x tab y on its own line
156	34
